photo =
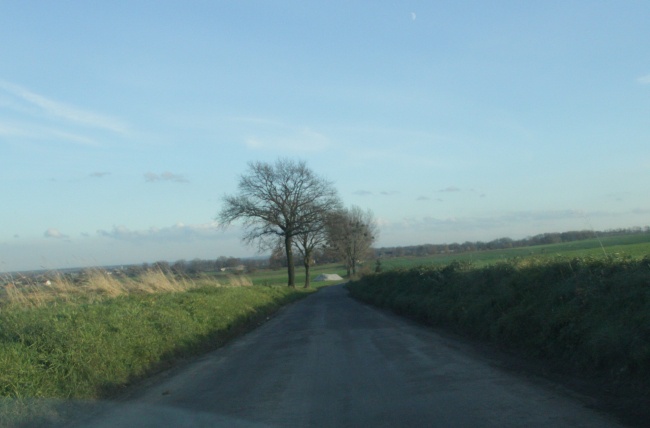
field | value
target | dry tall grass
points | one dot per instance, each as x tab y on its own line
97	284
239	281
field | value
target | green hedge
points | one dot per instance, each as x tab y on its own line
586	314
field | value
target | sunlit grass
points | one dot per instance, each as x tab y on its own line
91	337
97	284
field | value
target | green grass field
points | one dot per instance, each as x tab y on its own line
90	340
278	277
635	246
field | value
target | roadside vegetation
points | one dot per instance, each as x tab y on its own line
579	306
91	337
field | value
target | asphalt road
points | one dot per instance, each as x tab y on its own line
331	361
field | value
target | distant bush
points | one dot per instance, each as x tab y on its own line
586	314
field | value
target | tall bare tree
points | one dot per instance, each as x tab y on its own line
281	200
351	232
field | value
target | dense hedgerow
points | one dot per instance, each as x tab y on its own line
586	314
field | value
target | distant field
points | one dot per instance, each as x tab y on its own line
635	246
269	277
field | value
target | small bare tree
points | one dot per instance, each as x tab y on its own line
283	200
350	233
308	242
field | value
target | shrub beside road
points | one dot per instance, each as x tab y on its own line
589	315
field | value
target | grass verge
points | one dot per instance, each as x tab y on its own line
87	347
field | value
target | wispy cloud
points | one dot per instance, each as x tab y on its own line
14	130
381	192
99	174
258	121
642	211
497	221
450	189
304	140
266	134
23	98
35	131
178	232
54	233
644	80
71	136
151	177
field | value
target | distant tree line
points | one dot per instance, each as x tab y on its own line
328	254
199	266
504	243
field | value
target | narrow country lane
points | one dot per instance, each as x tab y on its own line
330	361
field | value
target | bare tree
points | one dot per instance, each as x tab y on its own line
308	242
278	257
282	200
351	233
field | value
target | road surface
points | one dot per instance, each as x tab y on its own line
330	361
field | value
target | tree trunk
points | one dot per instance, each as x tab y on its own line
290	265
306	261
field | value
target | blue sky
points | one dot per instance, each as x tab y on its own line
123	123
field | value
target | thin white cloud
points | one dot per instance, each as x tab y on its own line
33	131
54	233
12	130
644	80
264	134
450	189
382	192
151	177
303	141
177	232
258	121
60	110
72	137
486	223
642	211
99	174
